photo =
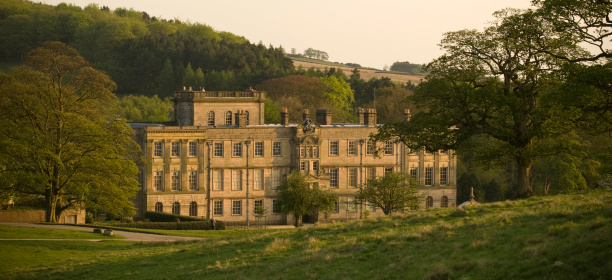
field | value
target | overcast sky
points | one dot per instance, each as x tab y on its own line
370	33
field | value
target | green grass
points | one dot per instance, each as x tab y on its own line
18	232
557	237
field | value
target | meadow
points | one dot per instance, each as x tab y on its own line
555	237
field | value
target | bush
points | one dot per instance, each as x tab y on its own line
165	217
193	225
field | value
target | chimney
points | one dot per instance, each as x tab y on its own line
284	117
406	115
360	114
324	116
241	119
370	117
305	115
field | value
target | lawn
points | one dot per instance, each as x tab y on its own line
556	237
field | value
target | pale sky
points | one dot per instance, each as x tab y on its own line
370	33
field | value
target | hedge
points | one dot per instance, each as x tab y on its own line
199	225
165	217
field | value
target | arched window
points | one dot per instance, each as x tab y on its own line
228	118
428	202
211	118
247	117
159	207
444	202
193	209
176	208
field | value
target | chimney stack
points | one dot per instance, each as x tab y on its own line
241	119
305	115
370	117
324	116
406	115
360	113
284	117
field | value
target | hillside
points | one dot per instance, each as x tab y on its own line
555	237
366	73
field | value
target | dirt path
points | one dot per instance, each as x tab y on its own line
129	236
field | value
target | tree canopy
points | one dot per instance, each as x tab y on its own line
298	197
60	139
392	192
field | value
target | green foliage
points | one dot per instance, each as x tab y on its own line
144	109
407	67
167	217
317	54
173	225
392	193
60	139
296	196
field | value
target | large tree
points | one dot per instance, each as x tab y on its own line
299	197
499	85
60	139
391	193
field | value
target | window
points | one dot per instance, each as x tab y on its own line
414	172
218	149
443	175
236	207
370	148
276	178
159	207
228	118
389	148
336	207
176	208
303	166
218	185
315	166
176	180
428	176
428	202
158	180
333	148
275	207
371	173
333	178
259	149
237	180
211	118
276	148
247	117
258	180
176	146
388	169
193	149
352	177
303	152
193	209
218	207
315	152
351	205
352	148
193	180
157	149
444	202
237	150
256	204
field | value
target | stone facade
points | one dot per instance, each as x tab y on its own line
230	161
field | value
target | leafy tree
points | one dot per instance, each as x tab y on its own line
144	109
465	183
60	139
406	67
393	192
296	196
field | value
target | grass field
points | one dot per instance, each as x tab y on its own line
557	237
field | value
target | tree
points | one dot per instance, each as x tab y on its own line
391	193
296	196
495	83
60	139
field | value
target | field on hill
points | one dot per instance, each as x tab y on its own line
366	74
555	237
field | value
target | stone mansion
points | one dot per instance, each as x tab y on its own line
218	159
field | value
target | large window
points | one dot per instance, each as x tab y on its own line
176	208
159	207
304	165
211	118
218	207
193	149
276	178
352	177
157	149
176	147
333	178
193	180
388	169
315	166
218	149
336	207
236	207
352	147
237	180
370	148
428	202
275	207
158	180
389	148
414	172
259	149
276	148
237	150
218	183
371	173
193	209
444	202
247	117
258	203
228	118
333	148
443	175
176	180
258	179
428	176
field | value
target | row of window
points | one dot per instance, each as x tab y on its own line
429	202
236	205
176	208
353	148
229	117
414	173
218	148
175	180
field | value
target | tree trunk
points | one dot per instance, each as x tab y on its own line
298	220
522	186
51	207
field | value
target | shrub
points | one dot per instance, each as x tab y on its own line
165	217
190	225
